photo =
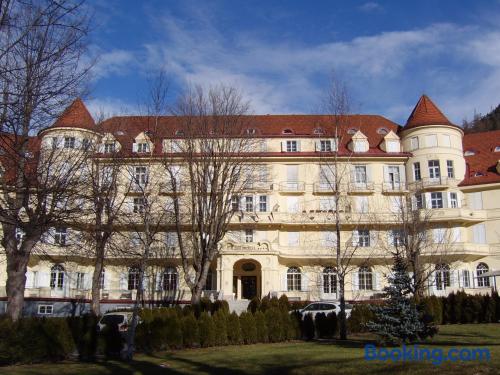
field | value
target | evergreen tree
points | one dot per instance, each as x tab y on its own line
398	320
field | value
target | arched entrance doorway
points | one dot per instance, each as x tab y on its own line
247	279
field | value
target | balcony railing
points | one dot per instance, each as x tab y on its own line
394	187
292	187
434	182
358	187
327	187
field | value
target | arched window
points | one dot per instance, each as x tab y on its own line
293	279
133	278
442	276
101	279
318	131
169	282
329	280
287	131
482	282
365	278
57	277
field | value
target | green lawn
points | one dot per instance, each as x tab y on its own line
292	358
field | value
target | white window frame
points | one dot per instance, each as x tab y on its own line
434	169
292	146
414	143
69	142
417	172
45	309
437	200
249	235
450	169
453	200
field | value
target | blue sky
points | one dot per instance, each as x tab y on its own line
281	53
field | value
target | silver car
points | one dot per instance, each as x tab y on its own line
326	308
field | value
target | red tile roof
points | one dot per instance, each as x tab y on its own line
125	129
76	116
426	113
483	162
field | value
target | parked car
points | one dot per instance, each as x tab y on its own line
325	307
120	319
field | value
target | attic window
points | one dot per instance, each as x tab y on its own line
251	131
287	131
352	131
179	132
496	149
469	152
478	174
318	131
119	132
382	131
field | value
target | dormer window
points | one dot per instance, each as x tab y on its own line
326	145
251	131
359	146
291	146
469	153
287	131
382	131
352	131
392	146
318	131
179	133
69	142
109	147
142	147
496	149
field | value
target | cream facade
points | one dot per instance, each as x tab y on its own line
281	235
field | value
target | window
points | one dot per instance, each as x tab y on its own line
209	283
139	205
363	237
248	235
482	282
416	171
263	203
453	200
329	280
55	142
171	239
392	146
479	233
80	280
434	171
393	175
446	140
69	142
140	176
45	309
60	236
19	234
437	200
431	140
291	146
419	201
109	147
57	277
449	166
235	203
249	203
359	146
469	153
169	280
86	143
466	278
365	278
293	239
496	149
396	237
293	279
143	147
414	143
318	131
442	276
360	174
362	204
325	145
133	278
102	278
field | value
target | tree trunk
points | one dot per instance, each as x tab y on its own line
196	294
343	320
17	264
96	281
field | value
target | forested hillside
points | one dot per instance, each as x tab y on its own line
491	121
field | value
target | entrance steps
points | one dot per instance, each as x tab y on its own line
238	305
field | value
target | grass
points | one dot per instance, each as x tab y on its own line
292	358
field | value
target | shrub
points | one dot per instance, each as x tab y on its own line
173	331
264	304
254	305
221	305
361	314
190	332
84	332
206	328
248	328
233	329
274	324
308	327
284	303
261	327
220	322
488	309
326	325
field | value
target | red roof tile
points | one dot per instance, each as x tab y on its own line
483	162
76	116
426	113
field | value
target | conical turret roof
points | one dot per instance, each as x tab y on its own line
426	113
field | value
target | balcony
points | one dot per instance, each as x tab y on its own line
462	215
326	187
394	187
297	187
361	187
257	186
428	183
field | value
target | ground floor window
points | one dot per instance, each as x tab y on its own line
45	309
57	277
170	278
365	278
293	279
329	280
442	276
133	278
482	282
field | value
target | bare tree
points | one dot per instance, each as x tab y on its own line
208	158
41	70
